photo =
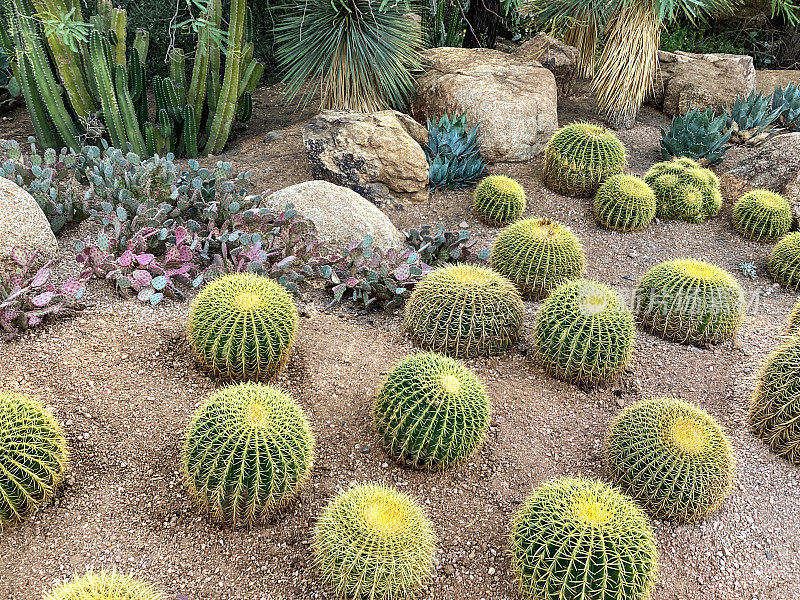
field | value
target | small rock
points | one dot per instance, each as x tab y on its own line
271	136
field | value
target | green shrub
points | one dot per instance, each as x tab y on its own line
104	585
784	262
762	216
585	333
672	457
242	327
248	451
684	190
581	539
499	200
464	311
33	457
432	411
374	543
624	203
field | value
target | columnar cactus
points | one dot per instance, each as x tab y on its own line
672	457
784	262
690	301
374	543
499	200
585	333
464	311
432	411
104	585
762	216
684	190
242	327
248	451
579	157
775	404
581	539
33	457
538	255
624	203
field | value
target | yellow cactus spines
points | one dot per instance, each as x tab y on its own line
784	262
464	311
581	539
672	457
242	327
33	457
624	203
793	323
432	411
690	301
499	200
374	543
775	404
538	255
585	333
684	190
580	156
762	216
248	452
104	585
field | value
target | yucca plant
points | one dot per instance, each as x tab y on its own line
698	135
453	153
362	51
751	119
787	99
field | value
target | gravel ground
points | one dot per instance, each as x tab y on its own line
121	381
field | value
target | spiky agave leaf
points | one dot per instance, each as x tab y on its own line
784	261
499	200
787	100
697	135
375	543
453	153
625	203
104	585
762	216
751	119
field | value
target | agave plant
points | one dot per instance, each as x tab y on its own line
697	135
751	120
453	153
787	99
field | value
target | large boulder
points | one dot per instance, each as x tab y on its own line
768	80
687	81
554	55
340	214
513	98
23	225
378	155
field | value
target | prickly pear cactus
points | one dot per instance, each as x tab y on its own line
581	539
672	457
104	585
499	200
684	190
784	262
374	543
242	327
248	452
464	311
33	457
690	301
432	411
585	333
624	203
762	216
538	255
579	157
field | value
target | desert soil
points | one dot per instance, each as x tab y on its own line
122	382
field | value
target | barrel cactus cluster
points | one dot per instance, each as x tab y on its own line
784	262
762	216
499	200
684	190
538	255
624	203
104	585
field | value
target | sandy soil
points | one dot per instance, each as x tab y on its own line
121	381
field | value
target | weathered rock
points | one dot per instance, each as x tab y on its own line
556	56
513	98
687	81
340	214
378	155
767	81
23	225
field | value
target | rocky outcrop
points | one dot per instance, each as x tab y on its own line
767	81
378	155
513	98
23	225
554	55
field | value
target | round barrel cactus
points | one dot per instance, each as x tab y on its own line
581	539
684	190
793	324
248	451
33	457
585	333
242	327
432	411
538	255
784	262
624	203
775	404
672	457
374	543
464	311
499	200
579	157
690	301
104	585
762	216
